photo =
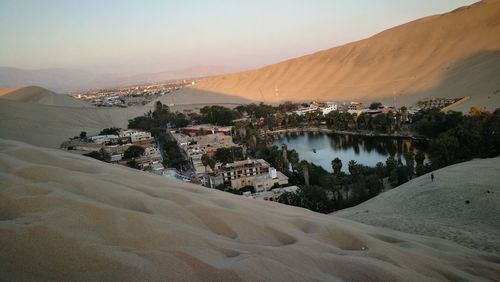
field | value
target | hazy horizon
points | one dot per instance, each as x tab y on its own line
127	36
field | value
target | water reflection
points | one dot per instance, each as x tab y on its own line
363	149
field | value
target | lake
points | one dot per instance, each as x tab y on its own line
366	150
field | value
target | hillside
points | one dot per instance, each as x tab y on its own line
49	125
451	55
68	217
39	95
439	208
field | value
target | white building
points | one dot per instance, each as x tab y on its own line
100	139
140	136
330	107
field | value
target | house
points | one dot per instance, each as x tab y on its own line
101	139
257	173
204	129
355	106
329	107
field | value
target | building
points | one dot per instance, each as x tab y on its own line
256	173
312	108
265	182
329	107
205	129
196	146
101	139
356	106
272	195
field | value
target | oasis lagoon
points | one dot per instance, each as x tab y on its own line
321	148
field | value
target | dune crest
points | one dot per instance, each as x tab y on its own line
39	95
451	55
67	217
38	116
461	205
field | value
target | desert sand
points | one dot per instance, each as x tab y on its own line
68	217
195	99
38	116
39	95
451	55
5	91
438	208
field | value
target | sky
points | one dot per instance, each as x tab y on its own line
152	35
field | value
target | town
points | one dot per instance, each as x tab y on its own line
123	97
218	148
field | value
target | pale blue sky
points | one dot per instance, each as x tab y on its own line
126	35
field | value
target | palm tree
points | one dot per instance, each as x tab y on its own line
212	164
284	152
294	159
252	142
305	171
205	160
410	162
352	166
404	114
336	165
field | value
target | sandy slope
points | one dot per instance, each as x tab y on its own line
451	55
191	98
49	126
5	91
67	217
39	95
439	208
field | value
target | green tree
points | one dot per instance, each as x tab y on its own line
133	151
212	163
410	163
142	122
352	167
205	160
224	155
110	131
336	165
375	105
304	165
293	156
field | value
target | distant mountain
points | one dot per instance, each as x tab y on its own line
63	80
55	79
450	55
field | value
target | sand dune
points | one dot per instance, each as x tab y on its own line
67	217
49	126
5	91
39	95
40	117
192	99
450	55
439	208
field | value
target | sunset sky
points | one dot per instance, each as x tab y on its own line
139	36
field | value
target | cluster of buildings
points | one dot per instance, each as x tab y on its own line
325	108
251	172
350	107
129	96
113	147
206	139
437	103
